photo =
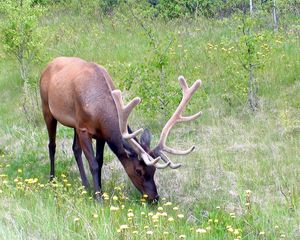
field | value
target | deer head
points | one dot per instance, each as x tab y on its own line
142	161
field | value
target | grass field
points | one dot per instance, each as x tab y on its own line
241	182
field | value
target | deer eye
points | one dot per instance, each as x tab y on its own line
138	172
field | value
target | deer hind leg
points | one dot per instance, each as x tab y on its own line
78	156
99	156
87	147
51	123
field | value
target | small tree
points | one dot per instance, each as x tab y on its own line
21	39
19	32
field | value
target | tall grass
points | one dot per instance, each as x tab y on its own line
236	151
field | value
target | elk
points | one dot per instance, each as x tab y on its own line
81	95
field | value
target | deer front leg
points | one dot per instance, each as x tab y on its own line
87	147
78	157
99	157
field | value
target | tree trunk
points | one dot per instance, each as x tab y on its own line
251	7
275	16
251	93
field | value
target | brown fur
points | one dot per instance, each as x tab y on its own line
77	94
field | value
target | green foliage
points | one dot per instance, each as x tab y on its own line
107	6
21	36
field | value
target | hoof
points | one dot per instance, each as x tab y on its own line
98	198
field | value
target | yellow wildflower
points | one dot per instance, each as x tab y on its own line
115	198
180	215
200	230
112	208
124	226
182	236
149	232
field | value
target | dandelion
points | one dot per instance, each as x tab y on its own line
230	229
170	219
282	236
149	232
175	208
168	204
262	233
130	215
201	230
216	221
276	227
180	216
143	213
135	232
165	233
115	198
68	184
1	191
63	175
248	192
145	196
182	236
123	227
20	170
146	227
150	214
180	46
236	232
164	214
112	208
218	207
160	209
210	220
76	219
83	192
208	228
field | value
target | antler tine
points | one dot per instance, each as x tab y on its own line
172	165
188	92
123	114
178	152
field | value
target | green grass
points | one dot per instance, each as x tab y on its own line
236	150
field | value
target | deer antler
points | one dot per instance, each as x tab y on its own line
123	113
188	92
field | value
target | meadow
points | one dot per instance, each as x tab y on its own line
241	182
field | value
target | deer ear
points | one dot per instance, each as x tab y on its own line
146	139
